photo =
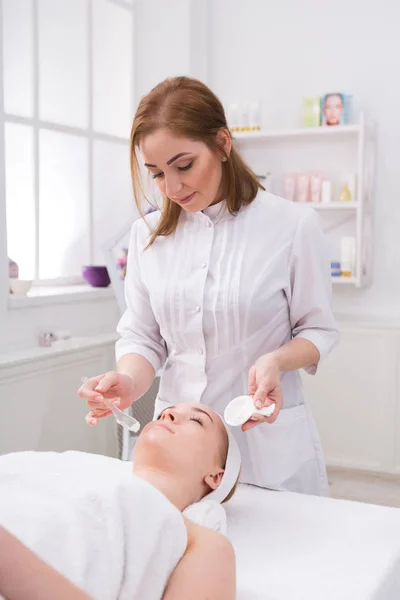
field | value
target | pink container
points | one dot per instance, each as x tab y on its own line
303	187
315	188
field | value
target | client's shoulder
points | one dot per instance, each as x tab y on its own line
213	561
207	569
213	542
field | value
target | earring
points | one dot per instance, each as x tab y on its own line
224	159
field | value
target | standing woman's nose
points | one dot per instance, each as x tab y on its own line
173	185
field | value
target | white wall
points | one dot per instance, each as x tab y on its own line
161	42
355	399
171	38
281	52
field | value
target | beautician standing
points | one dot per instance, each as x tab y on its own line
228	288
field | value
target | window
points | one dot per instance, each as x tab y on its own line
68	104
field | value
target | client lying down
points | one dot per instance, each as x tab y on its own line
69	529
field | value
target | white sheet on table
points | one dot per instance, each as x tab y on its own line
295	547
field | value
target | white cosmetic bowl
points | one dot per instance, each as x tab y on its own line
19	287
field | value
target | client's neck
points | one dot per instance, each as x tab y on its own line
169	484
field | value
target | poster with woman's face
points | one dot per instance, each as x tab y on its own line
333	109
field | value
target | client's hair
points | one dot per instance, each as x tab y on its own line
223	455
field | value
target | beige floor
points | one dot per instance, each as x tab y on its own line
372	488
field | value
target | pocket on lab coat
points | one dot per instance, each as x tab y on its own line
282	456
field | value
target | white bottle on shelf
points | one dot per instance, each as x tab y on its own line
347	256
255	116
326	191
244	118
233	117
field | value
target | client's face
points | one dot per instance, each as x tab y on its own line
188	439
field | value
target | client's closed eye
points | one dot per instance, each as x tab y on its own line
198	419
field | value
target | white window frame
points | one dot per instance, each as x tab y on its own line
38	125
3	226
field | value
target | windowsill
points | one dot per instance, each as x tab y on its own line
19	357
41	296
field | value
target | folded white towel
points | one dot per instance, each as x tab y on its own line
110	533
209	514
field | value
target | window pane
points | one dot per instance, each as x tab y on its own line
112	69
18	52
63	62
112	192
20	199
64	245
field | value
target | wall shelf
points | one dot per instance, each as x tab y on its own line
344	280
333	205
340	130
334	150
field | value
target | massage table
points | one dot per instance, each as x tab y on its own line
288	546
293	547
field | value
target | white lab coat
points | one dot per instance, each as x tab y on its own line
220	292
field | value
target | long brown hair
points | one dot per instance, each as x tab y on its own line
189	108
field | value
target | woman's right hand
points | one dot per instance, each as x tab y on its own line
115	387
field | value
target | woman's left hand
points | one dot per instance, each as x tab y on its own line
265	387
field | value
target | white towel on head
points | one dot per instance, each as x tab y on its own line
112	534
208	513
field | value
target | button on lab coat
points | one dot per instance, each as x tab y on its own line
207	301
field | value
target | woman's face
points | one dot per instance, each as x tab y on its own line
186	171
188	439
333	109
